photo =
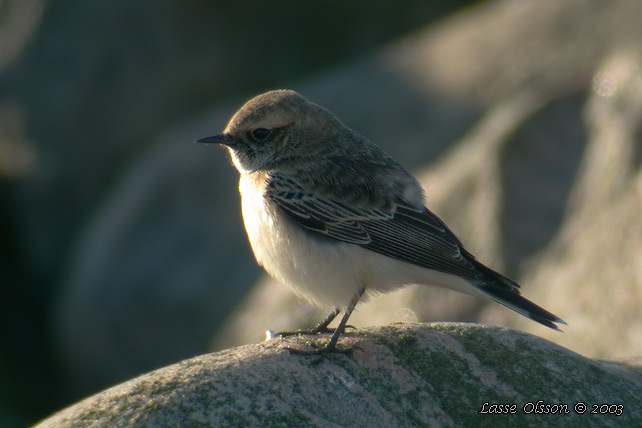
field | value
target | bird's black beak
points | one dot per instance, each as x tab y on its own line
224	139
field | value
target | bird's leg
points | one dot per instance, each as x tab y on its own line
331	345
320	327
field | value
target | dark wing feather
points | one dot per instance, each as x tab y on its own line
419	237
412	235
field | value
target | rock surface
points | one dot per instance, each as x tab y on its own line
401	375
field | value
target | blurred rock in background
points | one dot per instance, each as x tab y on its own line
122	241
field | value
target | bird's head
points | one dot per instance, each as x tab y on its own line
275	130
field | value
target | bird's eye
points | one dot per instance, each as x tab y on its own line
260	134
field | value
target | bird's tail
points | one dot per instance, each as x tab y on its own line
506	292
515	301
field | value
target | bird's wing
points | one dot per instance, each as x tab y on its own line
402	232
413	235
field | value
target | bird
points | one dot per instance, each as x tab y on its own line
334	217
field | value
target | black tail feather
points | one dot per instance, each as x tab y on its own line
506	292
513	300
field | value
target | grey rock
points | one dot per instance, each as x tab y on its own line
401	375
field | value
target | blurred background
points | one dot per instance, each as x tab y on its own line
122	243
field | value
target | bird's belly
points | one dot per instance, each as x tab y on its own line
319	269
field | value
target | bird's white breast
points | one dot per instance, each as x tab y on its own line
315	268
